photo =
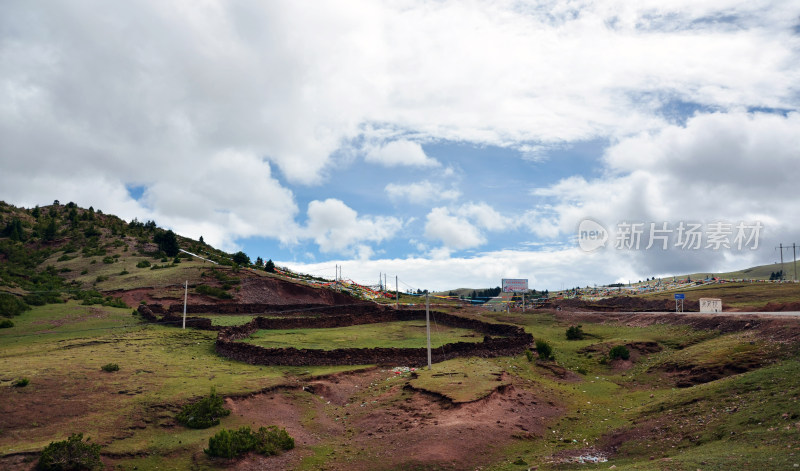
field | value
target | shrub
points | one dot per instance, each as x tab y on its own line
11	305
34	300
21	383
272	440
6	323
109	367
620	351
71	454
529	354
213	291
544	350
84	272
143	264
574	332
124	272
204	413
108	260
232	443
114	302
100	279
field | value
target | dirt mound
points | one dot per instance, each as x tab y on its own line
374	422
780	307
636	349
770	328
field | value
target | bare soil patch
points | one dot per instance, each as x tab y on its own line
371	420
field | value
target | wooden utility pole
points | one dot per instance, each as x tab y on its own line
428	326
185	299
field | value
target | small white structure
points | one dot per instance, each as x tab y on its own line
710	305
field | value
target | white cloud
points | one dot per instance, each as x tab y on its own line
718	167
179	94
336	227
454	232
543	269
486	217
399	153
420	192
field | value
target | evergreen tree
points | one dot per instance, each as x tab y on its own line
241	258
269	266
167	242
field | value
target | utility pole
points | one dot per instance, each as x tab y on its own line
794	258
428	326
396	294
185	299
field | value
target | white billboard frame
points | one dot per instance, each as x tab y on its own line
514	285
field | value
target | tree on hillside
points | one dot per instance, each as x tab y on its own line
241	258
167	242
50	230
259	261
13	230
269	266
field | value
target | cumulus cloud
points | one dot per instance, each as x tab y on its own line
454	232
336	227
486	217
218	108
400	153
420	192
543	269
729	167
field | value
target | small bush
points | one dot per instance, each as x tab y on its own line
108	260
582	370
109	367
84	272
124	272
11	305
620	351
574	332
143	264
100	279
232	443
272	440
544	350
529	354
6	324
204	413
71	454
213	291
21	383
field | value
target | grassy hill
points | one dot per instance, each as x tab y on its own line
707	395
761	272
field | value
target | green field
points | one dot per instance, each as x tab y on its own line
401	334
742	296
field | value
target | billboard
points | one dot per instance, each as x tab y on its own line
515	285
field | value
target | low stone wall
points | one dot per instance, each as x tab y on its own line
284	309
172	320
499	340
514	341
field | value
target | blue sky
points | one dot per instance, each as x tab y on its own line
448	143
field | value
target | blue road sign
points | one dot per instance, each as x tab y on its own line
680	296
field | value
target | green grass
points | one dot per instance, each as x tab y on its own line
461	379
402	334
227	320
61	349
741	296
